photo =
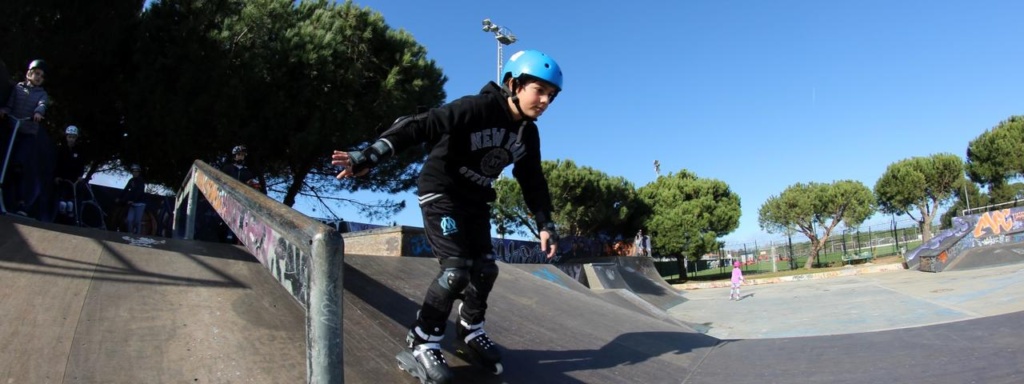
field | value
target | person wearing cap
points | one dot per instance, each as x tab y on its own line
70	167
471	140
27	102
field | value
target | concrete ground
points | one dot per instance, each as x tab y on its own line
854	304
85	306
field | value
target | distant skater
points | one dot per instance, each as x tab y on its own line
737	280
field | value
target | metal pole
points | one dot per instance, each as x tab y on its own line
500	64
967	199
7	157
325	340
504	37
191	209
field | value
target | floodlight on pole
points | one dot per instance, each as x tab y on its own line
504	37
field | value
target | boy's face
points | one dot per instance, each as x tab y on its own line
535	97
35	76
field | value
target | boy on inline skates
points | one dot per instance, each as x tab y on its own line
470	140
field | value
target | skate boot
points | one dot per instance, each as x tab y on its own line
473	345
423	358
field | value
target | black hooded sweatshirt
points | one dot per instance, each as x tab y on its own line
470	141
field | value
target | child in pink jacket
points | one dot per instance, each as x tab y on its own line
737	279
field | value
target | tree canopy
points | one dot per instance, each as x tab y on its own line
686	213
190	79
813	207
587	203
995	155
689	213
917	186
292	81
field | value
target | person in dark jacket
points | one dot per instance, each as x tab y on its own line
238	169
241	172
70	167
133	195
471	140
27	102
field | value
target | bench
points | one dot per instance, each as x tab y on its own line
851	257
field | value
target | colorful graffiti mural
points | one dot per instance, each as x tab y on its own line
1002	226
285	261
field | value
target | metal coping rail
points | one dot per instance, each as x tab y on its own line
303	254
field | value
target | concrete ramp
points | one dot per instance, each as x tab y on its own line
988	256
633	274
86	306
551	332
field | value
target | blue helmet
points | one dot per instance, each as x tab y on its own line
536	64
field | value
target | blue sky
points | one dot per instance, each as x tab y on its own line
761	95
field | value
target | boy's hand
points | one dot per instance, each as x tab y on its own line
344	159
37	117
549	234
544	247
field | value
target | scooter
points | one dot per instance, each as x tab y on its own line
7	158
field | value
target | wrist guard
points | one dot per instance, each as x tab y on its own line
370	157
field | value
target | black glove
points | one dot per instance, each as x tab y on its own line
369	157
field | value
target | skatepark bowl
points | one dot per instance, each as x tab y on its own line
80	305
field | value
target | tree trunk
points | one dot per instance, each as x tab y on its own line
926	229
298	178
680	260
816	246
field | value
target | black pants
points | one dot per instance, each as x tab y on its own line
460	236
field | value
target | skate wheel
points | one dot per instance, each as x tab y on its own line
497	369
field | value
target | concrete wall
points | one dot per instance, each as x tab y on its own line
387	241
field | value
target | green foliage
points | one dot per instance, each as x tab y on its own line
917	186
87	46
995	156
974	196
689	213
509	213
811	207
587	203
292	81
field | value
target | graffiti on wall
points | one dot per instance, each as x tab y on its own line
997	223
961	227
286	262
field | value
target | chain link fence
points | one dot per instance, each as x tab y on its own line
860	244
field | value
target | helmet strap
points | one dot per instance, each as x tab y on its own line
508	92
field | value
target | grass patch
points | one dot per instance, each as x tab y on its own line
752	272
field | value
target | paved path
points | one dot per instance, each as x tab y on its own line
854	304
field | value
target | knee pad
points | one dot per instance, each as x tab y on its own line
452	281
484	272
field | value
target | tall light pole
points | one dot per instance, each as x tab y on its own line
503	36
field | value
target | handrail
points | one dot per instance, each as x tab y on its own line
303	254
